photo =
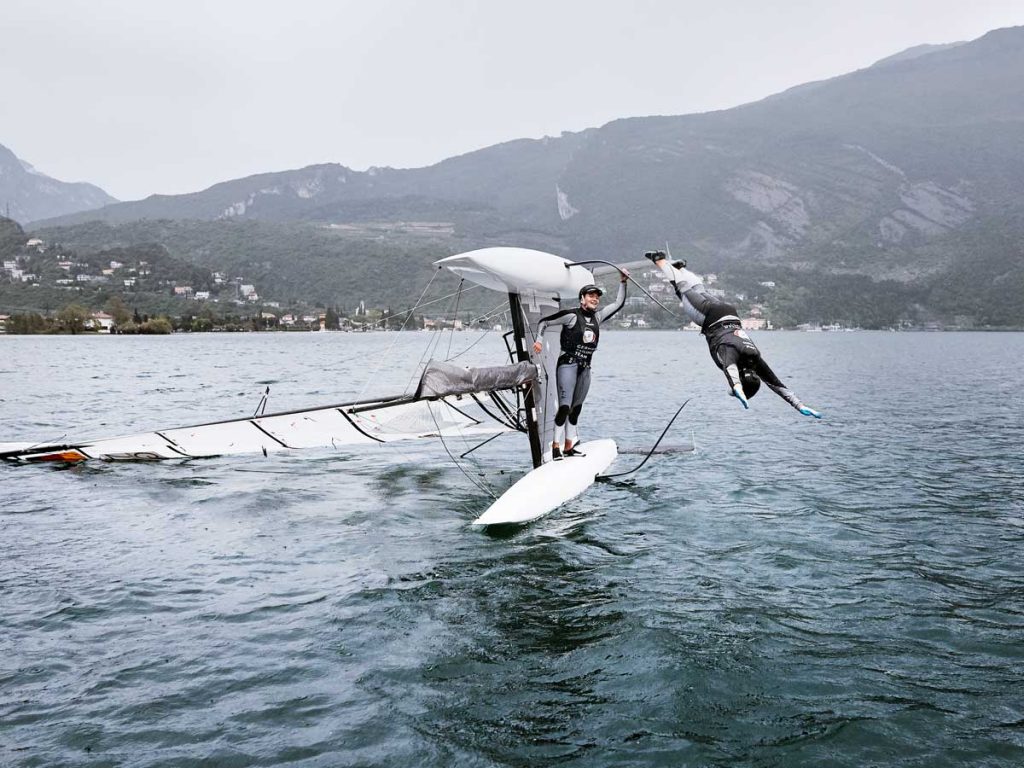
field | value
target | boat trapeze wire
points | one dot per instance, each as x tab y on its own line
479	484
650	452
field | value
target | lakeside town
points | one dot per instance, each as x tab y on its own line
231	304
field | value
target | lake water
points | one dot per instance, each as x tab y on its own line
846	592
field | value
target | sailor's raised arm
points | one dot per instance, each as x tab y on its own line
620	299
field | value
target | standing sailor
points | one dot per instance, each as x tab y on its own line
581	330
730	346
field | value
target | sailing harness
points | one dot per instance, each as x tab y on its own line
578	341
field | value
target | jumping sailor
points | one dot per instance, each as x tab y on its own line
581	330
730	346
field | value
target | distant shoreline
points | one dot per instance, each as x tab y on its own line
94	334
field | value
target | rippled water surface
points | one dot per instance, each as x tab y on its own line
792	593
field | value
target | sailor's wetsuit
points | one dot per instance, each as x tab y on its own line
729	345
581	330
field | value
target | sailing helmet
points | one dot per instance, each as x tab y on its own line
751	382
590	288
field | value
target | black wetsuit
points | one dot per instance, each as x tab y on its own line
730	345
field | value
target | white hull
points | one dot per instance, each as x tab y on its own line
332	426
551	485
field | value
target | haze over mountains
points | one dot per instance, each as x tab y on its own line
911	170
28	195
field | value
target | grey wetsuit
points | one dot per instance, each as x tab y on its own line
579	337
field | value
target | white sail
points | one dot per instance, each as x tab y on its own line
398	418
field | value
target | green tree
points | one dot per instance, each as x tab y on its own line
72	319
30	322
116	308
331	320
158	325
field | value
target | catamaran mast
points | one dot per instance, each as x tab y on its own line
522	355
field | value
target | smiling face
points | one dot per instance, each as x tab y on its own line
589	301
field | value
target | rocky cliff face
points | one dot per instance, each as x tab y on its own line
27	195
888	172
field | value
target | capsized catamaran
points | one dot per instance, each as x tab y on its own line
429	412
449	401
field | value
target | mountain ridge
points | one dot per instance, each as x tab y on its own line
28	195
884	172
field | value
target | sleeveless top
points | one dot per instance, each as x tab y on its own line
579	342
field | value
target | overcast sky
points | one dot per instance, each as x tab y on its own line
171	96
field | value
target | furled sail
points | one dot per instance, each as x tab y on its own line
442	379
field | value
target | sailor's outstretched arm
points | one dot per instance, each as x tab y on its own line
562	317
768	377
620	299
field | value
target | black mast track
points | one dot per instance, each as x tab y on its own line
519	328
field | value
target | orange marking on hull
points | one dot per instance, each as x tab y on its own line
71	455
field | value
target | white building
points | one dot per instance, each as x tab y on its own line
101	321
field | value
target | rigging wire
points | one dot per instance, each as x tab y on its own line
395	341
414	308
433	344
482	337
478	483
455	319
653	449
484	317
631	279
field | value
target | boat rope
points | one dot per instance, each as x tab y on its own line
650	452
460	354
480	445
419	306
434	342
482	318
628	277
455	319
479	484
501	308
